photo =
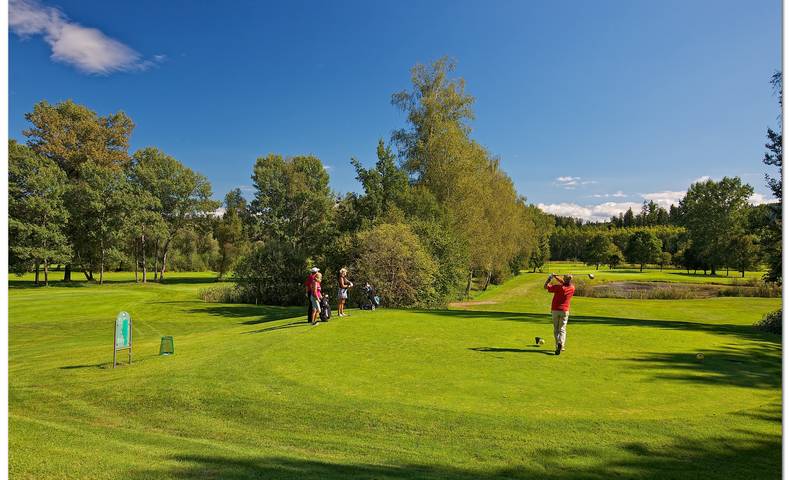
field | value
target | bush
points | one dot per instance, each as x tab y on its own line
772	322
223	294
394	261
766	290
273	274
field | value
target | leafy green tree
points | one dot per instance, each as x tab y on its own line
385	186
450	254
614	256
597	249
272	274
293	202
293	215
744	252
771	237
665	258
643	248
102	199
70	135
628	218
184	196
37	214
394	261
714	212
230	236
464	179
143	222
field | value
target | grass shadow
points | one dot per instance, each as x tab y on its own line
745	455
741	331
260	313
511	350
303	323
751	367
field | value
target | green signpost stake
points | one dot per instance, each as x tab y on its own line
166	347
122	337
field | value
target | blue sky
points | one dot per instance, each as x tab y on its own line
592	106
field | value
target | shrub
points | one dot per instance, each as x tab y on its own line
772	322
223	294
394	261
273	274
761	289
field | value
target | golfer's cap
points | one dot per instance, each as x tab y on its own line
315	269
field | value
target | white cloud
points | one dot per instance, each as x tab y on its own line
595	213
87	49
701	179
759	199
568	183
666	198
617	194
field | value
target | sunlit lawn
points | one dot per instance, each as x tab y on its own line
253	392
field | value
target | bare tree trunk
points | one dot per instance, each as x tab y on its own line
222	261
67	273
37	268
488	280
46	272
142	256
468	284
136	263
101	266
156	261
165	249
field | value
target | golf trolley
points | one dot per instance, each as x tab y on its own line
370	300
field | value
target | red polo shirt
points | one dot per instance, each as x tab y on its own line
562	296
308	284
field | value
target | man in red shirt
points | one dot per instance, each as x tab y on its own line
560	305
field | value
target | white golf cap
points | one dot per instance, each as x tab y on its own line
315	269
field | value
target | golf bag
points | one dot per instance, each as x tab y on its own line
326	310
370	300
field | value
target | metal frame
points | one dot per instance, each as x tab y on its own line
115	349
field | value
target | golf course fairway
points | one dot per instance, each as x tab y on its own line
255	392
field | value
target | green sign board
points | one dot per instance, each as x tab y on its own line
123	336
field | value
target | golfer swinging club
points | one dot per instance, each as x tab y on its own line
560	305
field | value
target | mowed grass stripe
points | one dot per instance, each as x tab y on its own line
253	392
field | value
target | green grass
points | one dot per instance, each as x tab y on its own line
254	393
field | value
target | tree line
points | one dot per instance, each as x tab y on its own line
713	227
77	198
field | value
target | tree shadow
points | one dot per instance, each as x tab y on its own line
743	456
303	323
26	284
29	284
743	366
189	280
742	331
511	350
264	313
